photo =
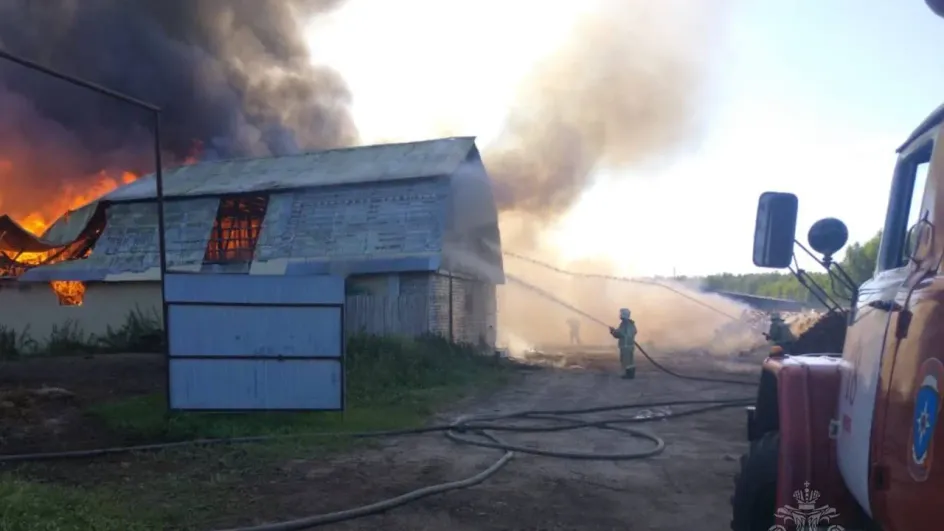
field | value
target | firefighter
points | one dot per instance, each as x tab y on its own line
779	334
574	325
625	333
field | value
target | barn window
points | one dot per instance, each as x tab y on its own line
236	229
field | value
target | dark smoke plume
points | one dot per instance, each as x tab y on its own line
232	75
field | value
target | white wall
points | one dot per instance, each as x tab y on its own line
34	306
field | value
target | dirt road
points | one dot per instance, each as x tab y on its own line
687	487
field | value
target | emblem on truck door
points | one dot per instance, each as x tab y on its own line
927	406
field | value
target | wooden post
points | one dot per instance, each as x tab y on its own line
451	324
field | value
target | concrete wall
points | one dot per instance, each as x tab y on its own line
34	307
474	306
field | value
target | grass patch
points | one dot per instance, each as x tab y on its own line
14	345
140	333
28	506
390	382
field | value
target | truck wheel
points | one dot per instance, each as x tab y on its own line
755	486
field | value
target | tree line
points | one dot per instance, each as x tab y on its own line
858	262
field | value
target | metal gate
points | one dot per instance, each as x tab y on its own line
254	342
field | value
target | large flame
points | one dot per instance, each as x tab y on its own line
70	198
76	194
73	197
69	293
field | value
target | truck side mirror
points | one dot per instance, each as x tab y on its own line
919	240
775	229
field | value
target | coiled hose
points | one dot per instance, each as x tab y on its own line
477	430
474	430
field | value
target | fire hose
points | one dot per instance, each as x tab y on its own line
472	430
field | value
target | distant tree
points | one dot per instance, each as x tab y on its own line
858	262
861	258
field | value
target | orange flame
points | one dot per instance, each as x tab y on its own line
75	196
70	198
69	292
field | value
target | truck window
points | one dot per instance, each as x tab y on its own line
904	207
916	211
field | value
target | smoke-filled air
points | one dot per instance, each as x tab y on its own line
620	88
232	78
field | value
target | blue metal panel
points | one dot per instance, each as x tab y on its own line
367	266
250	342
247	331
253	289
255	384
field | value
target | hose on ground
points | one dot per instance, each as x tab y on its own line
481	426
475	430
481	423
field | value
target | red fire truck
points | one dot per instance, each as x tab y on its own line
843	441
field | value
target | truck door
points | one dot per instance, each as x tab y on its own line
866	337
912	375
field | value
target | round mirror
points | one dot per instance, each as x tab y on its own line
827	236
937	6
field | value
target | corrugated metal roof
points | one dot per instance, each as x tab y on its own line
129	242
412	197
385	219
378	222
65	231
384	162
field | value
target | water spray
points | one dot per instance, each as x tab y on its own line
620	279
657	365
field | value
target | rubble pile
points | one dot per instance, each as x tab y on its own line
20	403
825	334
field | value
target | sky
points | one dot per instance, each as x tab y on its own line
808	96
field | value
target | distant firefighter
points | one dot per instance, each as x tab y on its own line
779	333
574	325
625	333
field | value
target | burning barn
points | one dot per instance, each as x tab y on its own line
413	226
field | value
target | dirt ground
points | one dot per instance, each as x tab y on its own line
36	422
686	487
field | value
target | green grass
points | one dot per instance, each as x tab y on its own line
27	506
140	333
391	384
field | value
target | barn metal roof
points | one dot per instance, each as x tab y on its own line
403	218
67	229
382	162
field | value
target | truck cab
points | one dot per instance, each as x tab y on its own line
849	439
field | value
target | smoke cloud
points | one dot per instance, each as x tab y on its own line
231	76
234	77
671	317
622	91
